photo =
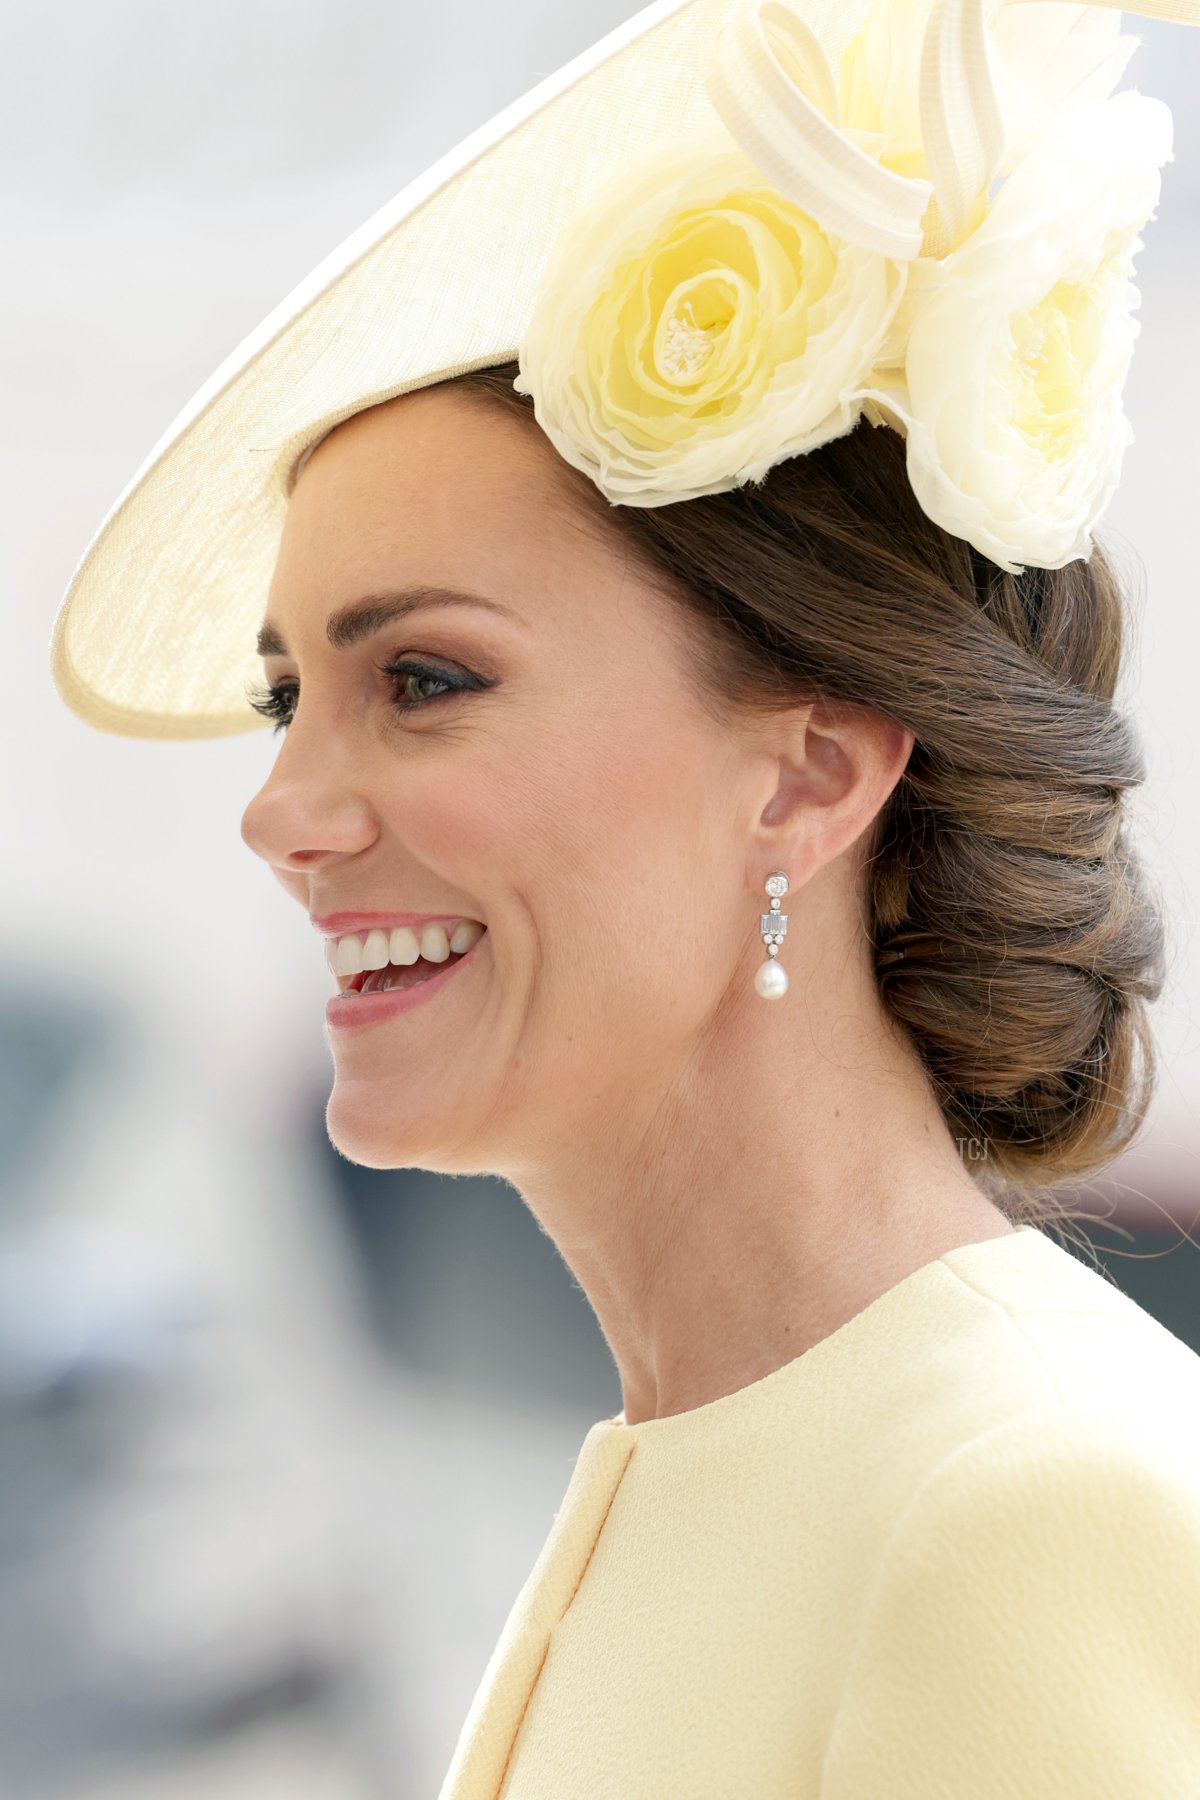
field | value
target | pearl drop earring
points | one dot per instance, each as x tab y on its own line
771	978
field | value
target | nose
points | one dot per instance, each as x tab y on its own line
307	812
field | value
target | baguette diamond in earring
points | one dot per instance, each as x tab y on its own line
771	978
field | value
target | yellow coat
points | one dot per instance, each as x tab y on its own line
951	1552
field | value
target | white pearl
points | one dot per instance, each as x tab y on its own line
771	980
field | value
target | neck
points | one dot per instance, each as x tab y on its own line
724	1224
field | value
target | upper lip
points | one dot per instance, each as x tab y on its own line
340	924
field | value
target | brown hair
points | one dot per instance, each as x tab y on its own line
1015	935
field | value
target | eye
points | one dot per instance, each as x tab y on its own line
275	702
278	701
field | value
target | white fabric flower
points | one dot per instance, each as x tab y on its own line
693	327
1010	392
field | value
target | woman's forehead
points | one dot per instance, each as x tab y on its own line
450	506
437	461
434	488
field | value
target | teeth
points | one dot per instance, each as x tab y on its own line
376	951
435	945
349	956
352	954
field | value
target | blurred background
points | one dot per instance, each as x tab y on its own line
280	1438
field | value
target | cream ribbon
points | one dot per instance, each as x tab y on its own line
769	79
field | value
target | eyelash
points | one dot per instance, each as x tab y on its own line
278	701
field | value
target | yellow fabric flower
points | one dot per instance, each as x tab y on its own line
694	327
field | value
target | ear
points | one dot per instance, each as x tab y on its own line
831	767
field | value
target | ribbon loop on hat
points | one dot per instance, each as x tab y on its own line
771	85
961	126
770	82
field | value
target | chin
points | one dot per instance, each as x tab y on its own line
364	1131
373	1135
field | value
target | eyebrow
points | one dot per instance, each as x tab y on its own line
363	618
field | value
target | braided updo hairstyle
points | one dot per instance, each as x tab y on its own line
1016	937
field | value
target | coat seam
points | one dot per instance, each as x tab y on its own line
512	1742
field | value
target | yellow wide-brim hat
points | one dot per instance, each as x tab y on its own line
155	636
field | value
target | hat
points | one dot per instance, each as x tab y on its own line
713	240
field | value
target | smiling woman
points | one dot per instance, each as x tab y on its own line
763	575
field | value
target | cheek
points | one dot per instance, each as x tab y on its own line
619	843
589	837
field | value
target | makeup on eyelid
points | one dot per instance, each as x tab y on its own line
277	700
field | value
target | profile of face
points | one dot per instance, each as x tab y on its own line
556	777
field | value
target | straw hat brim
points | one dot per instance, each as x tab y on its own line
155	634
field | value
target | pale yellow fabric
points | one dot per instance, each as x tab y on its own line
952	1552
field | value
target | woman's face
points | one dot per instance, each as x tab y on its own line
574	795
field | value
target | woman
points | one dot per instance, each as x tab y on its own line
743	639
